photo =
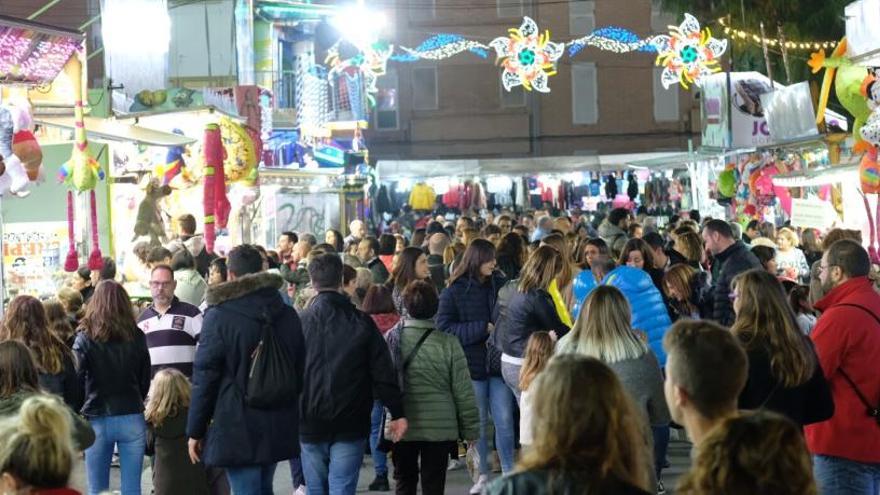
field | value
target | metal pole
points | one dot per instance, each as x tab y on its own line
784	53
766	53
43	9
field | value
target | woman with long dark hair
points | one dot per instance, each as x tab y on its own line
466	309
19	381
26	322
335	239
114	371
412	265
511	255
784	371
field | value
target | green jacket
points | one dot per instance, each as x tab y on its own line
439	399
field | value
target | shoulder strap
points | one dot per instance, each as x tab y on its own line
843	373
412	353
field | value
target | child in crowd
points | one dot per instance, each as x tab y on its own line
166	411
799	297
539	350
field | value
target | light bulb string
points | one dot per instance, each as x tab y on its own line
742	35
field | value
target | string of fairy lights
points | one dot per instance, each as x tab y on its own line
807	45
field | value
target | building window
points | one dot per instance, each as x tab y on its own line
584	93
510	8
514	98
581	17
424	90
424	10
387	113
665	100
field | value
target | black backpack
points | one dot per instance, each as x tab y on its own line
272	380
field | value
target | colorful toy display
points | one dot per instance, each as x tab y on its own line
215	202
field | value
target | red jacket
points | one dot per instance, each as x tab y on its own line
848	338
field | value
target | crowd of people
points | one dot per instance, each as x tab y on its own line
564	349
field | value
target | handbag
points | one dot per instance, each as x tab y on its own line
386	441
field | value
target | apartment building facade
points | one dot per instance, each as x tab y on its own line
600	102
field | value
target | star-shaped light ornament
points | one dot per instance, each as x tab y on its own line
528	57
688	54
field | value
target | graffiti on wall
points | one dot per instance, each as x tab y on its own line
313	212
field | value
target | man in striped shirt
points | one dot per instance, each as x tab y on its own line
171	326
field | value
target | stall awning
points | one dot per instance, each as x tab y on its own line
395	169
98	128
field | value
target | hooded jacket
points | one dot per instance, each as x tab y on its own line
649	313
613	235
847	340
234	433
191	287
195	244
346	360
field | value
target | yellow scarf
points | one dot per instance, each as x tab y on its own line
561	309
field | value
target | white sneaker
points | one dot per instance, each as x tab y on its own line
300	490
480	485
454	465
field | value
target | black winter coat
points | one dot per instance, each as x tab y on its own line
234	433
64	384
346	360
527	313
466	309
115	376
810	402
733	261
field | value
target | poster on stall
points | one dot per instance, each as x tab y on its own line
811	213
715	111
748	118
33	255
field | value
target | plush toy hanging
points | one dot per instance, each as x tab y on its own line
24	143
215	202
175	163
14	178
81	173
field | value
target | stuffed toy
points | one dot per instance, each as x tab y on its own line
869	179
24	143
80	173
849	85
149	216
175	164
15	177
240	158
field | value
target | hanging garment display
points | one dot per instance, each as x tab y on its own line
422	196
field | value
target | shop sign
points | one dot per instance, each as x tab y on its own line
32	257
748	115
811	213
715	111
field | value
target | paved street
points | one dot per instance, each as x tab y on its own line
458	482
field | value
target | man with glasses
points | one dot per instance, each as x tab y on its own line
171	326
846	448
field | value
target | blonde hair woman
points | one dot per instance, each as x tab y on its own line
587	435
690	245
790	260
603	331
570	269
531	309
784	372
36	451
688	292
756	452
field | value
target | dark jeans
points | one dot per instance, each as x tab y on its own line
251	480
434	457
838	476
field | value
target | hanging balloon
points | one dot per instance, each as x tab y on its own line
869	172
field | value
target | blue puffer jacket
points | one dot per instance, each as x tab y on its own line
583	284
649	313
466	309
